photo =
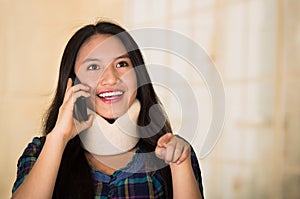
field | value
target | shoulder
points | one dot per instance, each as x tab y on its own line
32	151
34	148
27	159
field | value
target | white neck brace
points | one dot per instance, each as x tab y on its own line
103	138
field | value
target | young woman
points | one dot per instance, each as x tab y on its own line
67	162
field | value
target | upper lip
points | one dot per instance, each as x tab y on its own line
110	93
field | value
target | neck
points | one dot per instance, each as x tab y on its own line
108	164
111	121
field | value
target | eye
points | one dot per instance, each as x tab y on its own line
93	67
122	64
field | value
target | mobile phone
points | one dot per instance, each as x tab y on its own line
80	107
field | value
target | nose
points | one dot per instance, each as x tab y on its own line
109	76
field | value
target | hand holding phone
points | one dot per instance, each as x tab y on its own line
80	107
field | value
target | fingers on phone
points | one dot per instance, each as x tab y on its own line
69	84
80	94
83	125
80	90
80	87
68	92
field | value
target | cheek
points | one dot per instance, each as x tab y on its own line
132	87
91	84
131	83
86	80
130	80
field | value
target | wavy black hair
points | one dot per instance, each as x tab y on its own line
75	180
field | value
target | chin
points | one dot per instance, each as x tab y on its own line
110	114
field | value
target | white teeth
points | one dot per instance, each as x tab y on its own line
111	94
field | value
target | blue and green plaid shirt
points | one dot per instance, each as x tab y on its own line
130	182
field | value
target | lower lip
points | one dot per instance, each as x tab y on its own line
111	100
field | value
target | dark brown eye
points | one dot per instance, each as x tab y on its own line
122	64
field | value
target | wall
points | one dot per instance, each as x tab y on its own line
254	44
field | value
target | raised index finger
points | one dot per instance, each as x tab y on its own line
164	140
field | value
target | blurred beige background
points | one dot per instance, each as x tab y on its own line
254	44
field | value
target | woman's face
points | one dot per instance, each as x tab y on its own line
103	64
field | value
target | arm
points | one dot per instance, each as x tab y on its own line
40	181
177	152
184	181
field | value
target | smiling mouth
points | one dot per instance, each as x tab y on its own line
111	95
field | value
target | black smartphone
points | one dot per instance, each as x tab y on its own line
80	108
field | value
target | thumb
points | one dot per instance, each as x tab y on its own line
83	125
160	152
90	121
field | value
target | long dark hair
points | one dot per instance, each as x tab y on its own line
75	180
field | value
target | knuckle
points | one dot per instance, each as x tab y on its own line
62	108
158	153
168	159
171	145
178	151
186	152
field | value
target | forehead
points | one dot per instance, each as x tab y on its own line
103	46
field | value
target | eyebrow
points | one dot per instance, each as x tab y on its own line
122	56
98	60
90	60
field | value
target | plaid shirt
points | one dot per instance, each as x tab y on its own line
130	182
